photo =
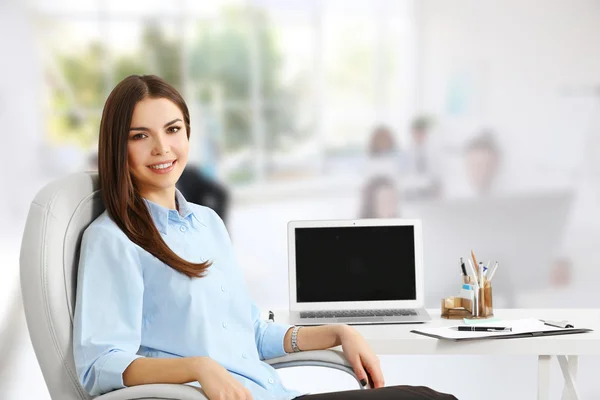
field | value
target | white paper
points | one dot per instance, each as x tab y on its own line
519	326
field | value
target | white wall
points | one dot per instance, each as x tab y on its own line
21	136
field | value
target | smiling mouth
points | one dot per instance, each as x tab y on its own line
162	166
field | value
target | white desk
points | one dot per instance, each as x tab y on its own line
397	339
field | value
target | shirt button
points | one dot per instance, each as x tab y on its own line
182	228
271	381
223	288
225	325
244	355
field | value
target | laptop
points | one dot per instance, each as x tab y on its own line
366	271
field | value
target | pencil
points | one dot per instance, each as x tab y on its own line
475	263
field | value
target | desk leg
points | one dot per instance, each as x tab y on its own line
544	377
569	370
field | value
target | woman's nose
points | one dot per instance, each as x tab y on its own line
161	146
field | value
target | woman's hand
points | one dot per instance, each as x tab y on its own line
217	382
364	362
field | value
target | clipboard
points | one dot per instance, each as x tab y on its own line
522	328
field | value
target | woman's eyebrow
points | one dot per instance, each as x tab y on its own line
141	128
172	122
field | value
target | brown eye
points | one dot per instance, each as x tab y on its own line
138	136
174	129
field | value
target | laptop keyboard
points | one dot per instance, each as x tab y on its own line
358	313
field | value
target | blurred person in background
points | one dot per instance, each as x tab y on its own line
382	142
199	188
384	154
380	198
422	179
482	162
160	295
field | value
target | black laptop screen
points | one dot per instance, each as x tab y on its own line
358	263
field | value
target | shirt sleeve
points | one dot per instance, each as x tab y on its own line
108	309
268	336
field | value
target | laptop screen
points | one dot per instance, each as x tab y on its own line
358	263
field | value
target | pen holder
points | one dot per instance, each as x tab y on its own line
471	304
458	307
482	305
455	308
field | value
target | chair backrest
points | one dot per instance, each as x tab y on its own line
59	214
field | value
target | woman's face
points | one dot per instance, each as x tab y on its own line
158	145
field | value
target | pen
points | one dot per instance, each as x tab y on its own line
481	274
492	271
462	267
472	270
484	329
486	269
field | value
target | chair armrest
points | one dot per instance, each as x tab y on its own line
315	358
156	391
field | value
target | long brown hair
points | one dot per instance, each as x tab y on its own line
122	200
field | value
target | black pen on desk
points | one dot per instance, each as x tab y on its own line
484	329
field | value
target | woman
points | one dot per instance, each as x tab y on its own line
160	297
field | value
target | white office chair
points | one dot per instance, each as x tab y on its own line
59	214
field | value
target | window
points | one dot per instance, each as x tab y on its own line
275	87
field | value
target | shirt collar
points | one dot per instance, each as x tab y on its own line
160	215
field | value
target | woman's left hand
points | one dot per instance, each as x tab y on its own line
364	362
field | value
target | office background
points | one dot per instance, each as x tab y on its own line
293	107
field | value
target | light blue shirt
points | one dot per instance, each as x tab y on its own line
130	305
